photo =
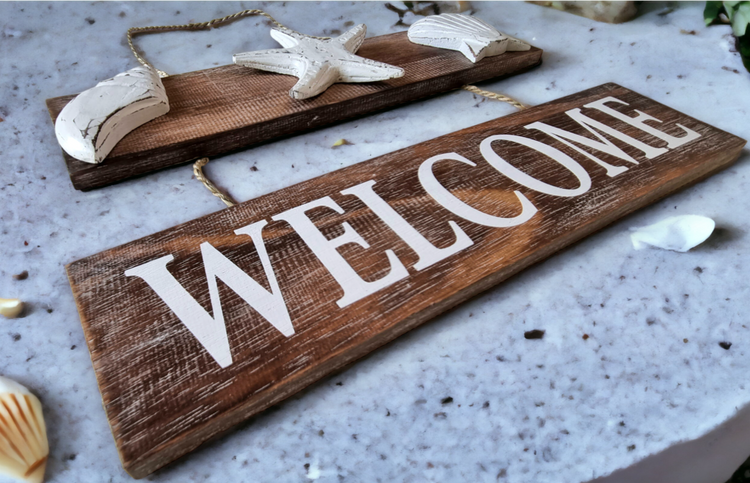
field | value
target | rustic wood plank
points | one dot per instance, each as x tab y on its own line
164	394
224	109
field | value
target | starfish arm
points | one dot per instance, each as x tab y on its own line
352	39
280	61
315	80
287	38
360	69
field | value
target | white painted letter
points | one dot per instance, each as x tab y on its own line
354	287
604	145
446	199
427	252
212	332
522	178
639	122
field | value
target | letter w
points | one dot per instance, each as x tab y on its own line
212	332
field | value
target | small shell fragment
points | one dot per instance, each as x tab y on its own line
23	435
11	308
678	233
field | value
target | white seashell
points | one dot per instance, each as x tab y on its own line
678	233
471	36
92	124
23	434
11	308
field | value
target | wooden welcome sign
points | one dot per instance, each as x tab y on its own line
196	328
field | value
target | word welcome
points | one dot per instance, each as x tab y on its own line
211	331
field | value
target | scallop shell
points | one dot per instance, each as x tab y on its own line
471	36
23	434
92	124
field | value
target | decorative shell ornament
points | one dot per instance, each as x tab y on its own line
678	233
23	435
92	124
318	63
474	38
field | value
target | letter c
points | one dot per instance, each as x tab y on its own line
448	201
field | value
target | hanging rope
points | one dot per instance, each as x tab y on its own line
495	96
217	22
198	171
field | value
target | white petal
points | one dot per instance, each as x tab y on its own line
678	233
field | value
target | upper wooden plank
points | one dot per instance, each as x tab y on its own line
224	109
164	394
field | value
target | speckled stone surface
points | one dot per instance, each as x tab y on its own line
465	397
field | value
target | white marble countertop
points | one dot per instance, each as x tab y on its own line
651	375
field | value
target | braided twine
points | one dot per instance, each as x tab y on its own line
217	22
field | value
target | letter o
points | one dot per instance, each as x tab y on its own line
530	182
447	200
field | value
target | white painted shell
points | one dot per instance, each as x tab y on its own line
92	124
23	434
678	233
471	36
11	308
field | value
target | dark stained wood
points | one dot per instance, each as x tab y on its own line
164	395
224	109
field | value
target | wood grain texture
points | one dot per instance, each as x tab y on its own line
164	394
224	109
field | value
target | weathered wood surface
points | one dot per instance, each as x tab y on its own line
164	394
220	110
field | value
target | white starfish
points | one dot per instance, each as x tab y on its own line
318	63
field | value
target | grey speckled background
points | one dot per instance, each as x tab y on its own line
556	409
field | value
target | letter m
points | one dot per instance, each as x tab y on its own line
601	143
210	331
